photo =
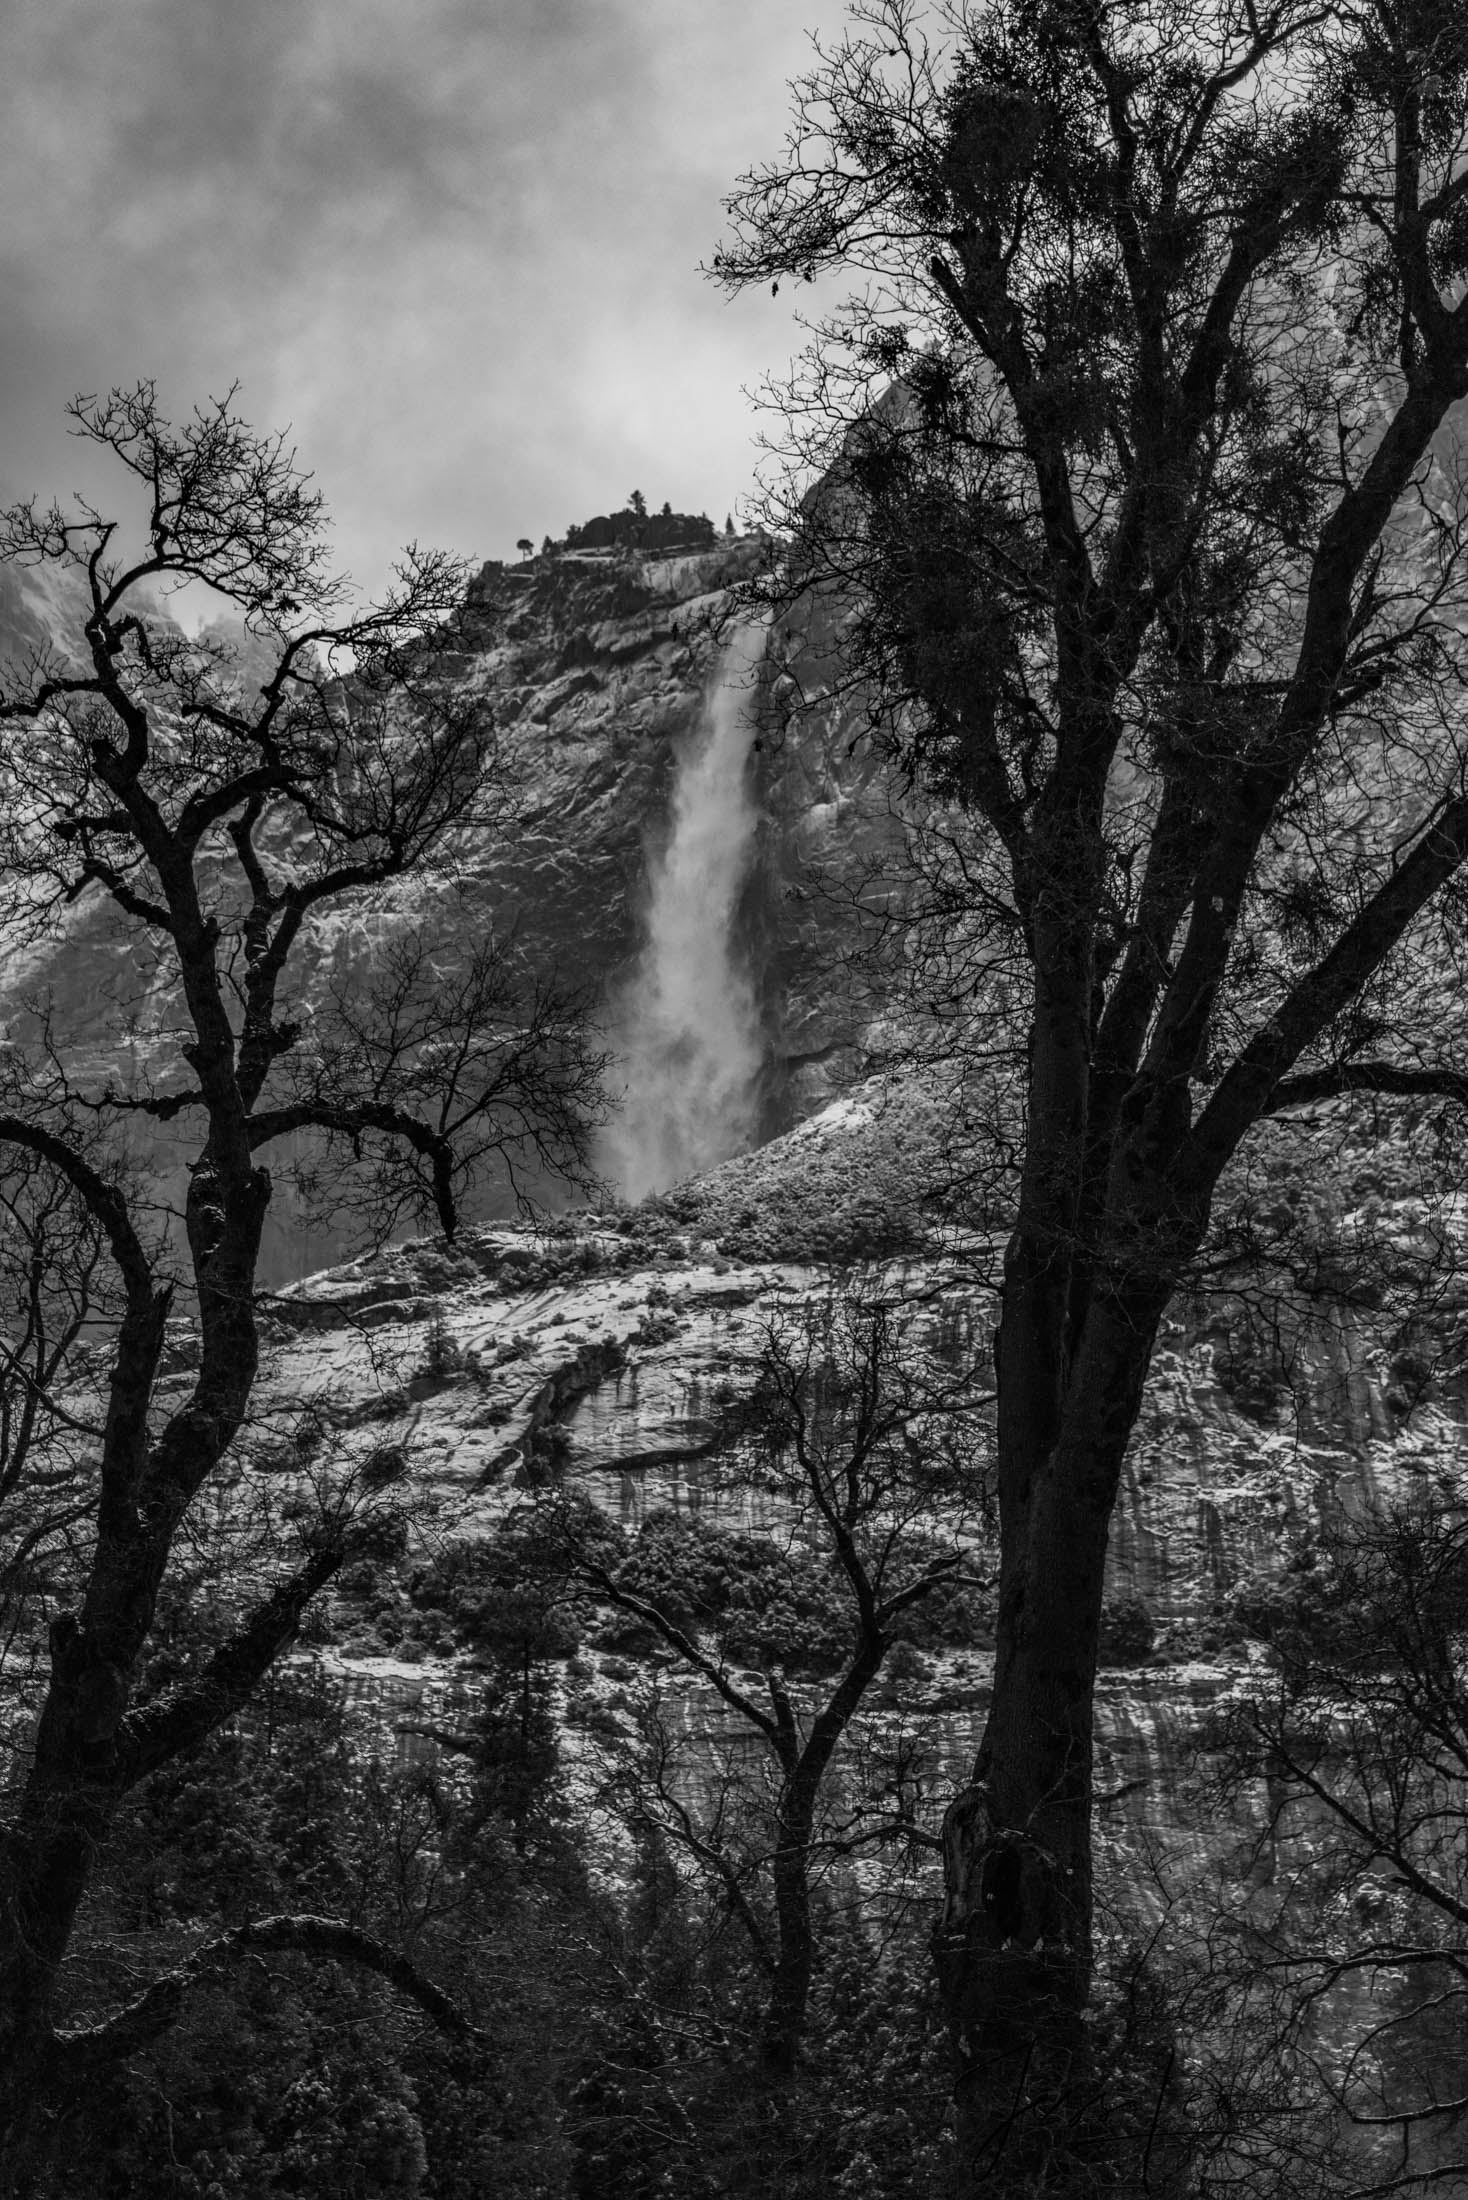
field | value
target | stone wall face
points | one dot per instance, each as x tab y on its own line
629	1345
596	670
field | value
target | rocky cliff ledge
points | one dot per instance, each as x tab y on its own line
615	1353
597	668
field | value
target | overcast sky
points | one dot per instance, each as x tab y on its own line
453	243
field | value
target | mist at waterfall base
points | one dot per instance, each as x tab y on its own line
689	1041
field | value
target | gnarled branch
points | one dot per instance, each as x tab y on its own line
144	2019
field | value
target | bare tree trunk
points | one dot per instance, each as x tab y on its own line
1013	1949
786	2011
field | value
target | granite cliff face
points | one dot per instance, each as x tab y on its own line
599	671
611	1358
614	1348
620	1347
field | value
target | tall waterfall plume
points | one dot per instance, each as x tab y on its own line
690	1042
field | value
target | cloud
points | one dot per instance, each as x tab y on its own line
454	244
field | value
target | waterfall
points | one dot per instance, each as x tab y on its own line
690	1041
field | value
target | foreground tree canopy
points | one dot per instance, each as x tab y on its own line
221	795
1138	473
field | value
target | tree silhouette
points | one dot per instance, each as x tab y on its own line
1139	500
219	817
861	1435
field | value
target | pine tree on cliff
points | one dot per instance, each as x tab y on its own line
214	819
1139	457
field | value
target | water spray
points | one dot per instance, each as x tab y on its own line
691	1045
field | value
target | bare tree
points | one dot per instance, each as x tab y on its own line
1141	491
221	816
865	1445
1359	1742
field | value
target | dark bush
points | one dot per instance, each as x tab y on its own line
1127	1632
